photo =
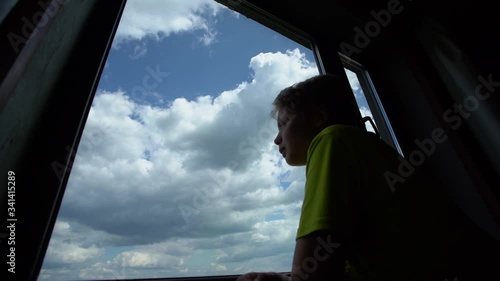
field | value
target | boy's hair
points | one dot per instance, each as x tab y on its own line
324	89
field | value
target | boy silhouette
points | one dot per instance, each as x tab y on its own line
357	222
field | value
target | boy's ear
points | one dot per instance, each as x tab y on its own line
322	117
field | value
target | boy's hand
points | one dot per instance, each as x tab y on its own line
263	276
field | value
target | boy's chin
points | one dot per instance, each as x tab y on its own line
293	162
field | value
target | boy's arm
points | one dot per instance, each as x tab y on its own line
318	256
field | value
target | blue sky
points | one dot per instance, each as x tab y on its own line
176	173
193	67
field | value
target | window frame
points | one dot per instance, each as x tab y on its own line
375	105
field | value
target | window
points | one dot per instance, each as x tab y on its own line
176	173
368	102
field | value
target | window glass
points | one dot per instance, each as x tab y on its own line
369	103
363	106
176	173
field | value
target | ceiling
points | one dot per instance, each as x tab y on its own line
472	24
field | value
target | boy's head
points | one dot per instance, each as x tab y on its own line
304	109
324	93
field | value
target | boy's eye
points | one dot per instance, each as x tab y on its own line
281	123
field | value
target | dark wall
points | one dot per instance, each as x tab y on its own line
425	65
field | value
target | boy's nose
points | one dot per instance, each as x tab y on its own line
277	140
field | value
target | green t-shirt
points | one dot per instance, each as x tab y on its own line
396	226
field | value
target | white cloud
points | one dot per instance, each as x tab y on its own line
182	190
147	259
140	50
188	189
360	98
73	253
366	112
354	82
160	18
203	173
209	37
75	244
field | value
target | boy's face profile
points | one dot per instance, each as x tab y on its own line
294	136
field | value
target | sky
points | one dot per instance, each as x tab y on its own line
176	173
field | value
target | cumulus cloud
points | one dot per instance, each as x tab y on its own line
366	112
191	182
158	19
360	98
69	247
354	82
187	189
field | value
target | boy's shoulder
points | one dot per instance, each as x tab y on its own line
349	134
355	143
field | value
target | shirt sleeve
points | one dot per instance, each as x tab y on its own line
332	183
